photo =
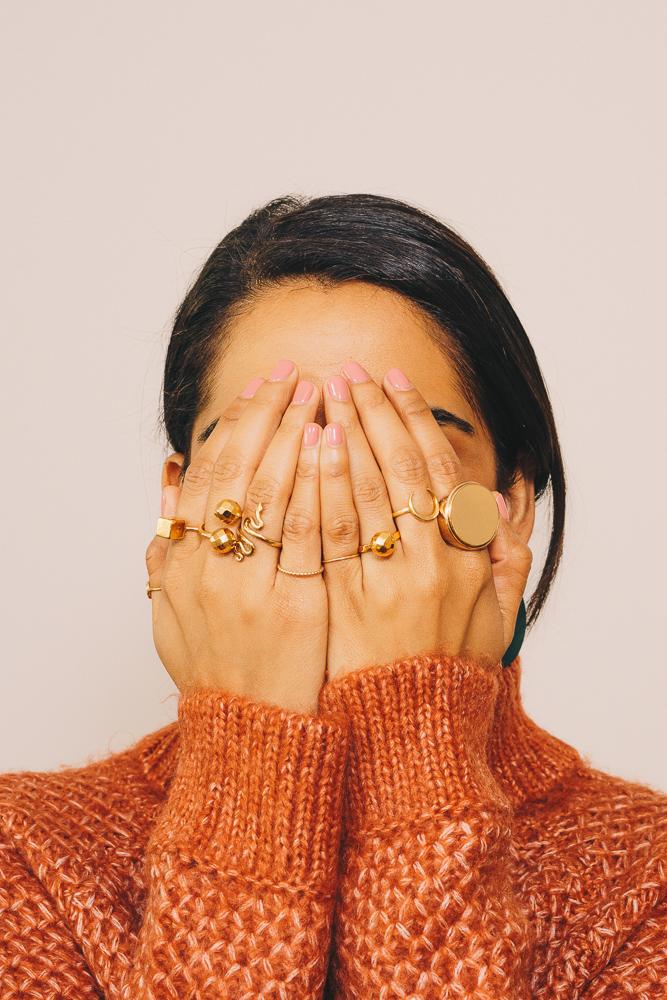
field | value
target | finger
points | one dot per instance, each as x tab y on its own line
237	462
302	544
369	490
196	483
273	482
399	458
158	547
443	465
339	520
511	560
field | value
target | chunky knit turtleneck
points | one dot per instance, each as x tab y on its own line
420	837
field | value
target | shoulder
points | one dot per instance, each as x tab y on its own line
591	865
100	803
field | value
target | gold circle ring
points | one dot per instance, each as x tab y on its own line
410	509
471	516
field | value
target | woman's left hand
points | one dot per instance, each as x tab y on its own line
428	596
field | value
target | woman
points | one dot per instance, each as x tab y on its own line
353	801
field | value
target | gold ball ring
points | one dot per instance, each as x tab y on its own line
382	544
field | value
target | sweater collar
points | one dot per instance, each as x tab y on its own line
526	760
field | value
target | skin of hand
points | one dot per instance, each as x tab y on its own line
361	595
382	444
244	626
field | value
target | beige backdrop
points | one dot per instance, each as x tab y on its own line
136	134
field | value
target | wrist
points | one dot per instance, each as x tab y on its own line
419	730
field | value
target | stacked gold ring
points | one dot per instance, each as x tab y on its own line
470	516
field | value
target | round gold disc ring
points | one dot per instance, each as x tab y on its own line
471	516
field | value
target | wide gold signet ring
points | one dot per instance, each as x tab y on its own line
471	516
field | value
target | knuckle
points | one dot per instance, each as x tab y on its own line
373	397
154	556
369	490
342	528
524	555
198	476
306	467
298	524
443	465
229	466
264	489
335	470
416	407
407	464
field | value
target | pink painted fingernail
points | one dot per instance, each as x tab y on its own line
251	388
282	370
334	435
311	435
303	392
169	501
398	379
502	506
338	389
355	372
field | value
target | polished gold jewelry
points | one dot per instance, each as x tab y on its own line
151	590
245	546
382	544
170	527
410	509
471	516
223	539
229	511
291	572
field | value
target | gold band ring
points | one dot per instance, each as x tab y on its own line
291	572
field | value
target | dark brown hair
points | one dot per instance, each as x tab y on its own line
385	242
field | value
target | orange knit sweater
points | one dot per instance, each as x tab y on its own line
420	837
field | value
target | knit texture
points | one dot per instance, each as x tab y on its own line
419	837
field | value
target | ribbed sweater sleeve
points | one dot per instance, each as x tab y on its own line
426	905
241	863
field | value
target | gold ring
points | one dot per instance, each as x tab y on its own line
382	544
471	516
410	509
291	572
171	527
151	590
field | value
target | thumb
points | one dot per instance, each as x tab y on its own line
158	547
511	560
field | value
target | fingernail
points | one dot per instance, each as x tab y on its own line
502	506
281	371
169	501
338	389
355	372
303	392
398	379
334	434
251	388
311	434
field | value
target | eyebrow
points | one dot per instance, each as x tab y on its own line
443	417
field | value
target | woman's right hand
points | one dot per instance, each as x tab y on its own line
244	626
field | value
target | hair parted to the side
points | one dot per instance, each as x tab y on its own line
392	244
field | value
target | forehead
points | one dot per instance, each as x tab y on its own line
321	328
